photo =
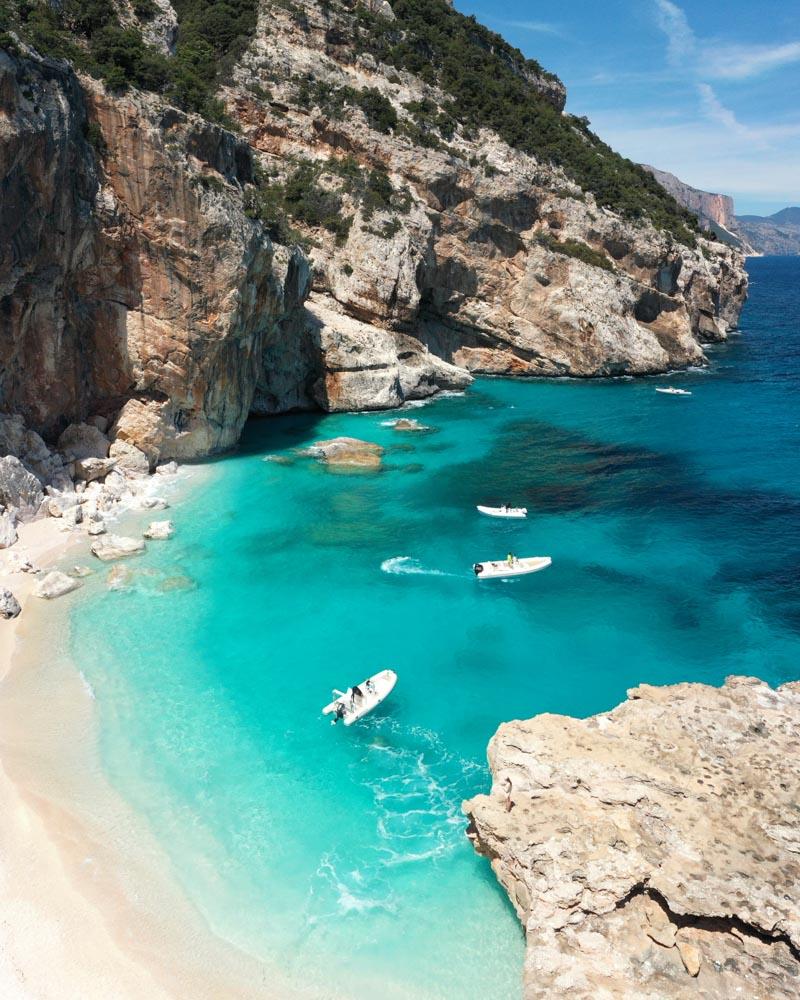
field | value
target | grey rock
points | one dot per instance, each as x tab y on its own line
19	488
8	529
9	605
81	441
89	469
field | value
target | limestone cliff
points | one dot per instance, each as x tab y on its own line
150	273
653	850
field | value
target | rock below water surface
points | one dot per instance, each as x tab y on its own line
654	850
346	452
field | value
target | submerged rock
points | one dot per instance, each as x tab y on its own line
119	578
409	424
653	845
9	605
177	583
79	572
55	584
346	452
116	547
159	530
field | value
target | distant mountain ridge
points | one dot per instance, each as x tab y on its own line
768	235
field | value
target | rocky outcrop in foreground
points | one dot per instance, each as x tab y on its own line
654	850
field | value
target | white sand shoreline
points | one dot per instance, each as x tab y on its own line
88	906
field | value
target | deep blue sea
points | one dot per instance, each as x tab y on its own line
339	854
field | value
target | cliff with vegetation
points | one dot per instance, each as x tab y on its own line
211	209
652	851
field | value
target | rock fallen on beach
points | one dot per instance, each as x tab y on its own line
89	469
152	503
80	571
95	528
55	584
9	605
346	452
110	547
160	530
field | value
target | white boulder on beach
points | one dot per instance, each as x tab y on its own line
159	530
110	547
55	584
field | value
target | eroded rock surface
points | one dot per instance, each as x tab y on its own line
653	851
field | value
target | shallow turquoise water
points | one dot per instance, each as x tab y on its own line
673	524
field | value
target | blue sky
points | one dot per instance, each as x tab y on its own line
708	90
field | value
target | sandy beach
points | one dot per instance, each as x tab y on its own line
88	908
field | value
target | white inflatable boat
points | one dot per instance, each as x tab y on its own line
517	567
504	511
359	700
672	391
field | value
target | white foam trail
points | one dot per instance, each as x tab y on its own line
408	566
87	687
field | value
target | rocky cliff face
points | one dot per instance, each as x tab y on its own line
131	273
711	209
483	264
137	282
652	850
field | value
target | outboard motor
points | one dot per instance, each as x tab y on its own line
478	568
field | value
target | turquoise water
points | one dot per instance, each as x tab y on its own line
673	524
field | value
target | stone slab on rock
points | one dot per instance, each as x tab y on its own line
82	441
129	458
89	469
9	605
55	584
659	829
110	547
159	530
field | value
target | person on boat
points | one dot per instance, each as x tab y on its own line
370	686
355	692
511	558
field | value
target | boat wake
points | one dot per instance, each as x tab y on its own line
417	787
408	566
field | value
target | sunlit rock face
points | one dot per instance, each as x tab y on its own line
652	850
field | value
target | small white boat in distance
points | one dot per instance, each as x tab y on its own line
503	511
359	700
517	567
672	391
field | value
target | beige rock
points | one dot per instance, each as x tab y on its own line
690	956
95	528
111	547
160	530
55	584
661	807
89	469
407	424
128	458
119	578
347	452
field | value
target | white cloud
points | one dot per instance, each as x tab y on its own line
716	111
541	27
739	62
715	60
681	41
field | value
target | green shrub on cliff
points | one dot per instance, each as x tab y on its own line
494	86
576	249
